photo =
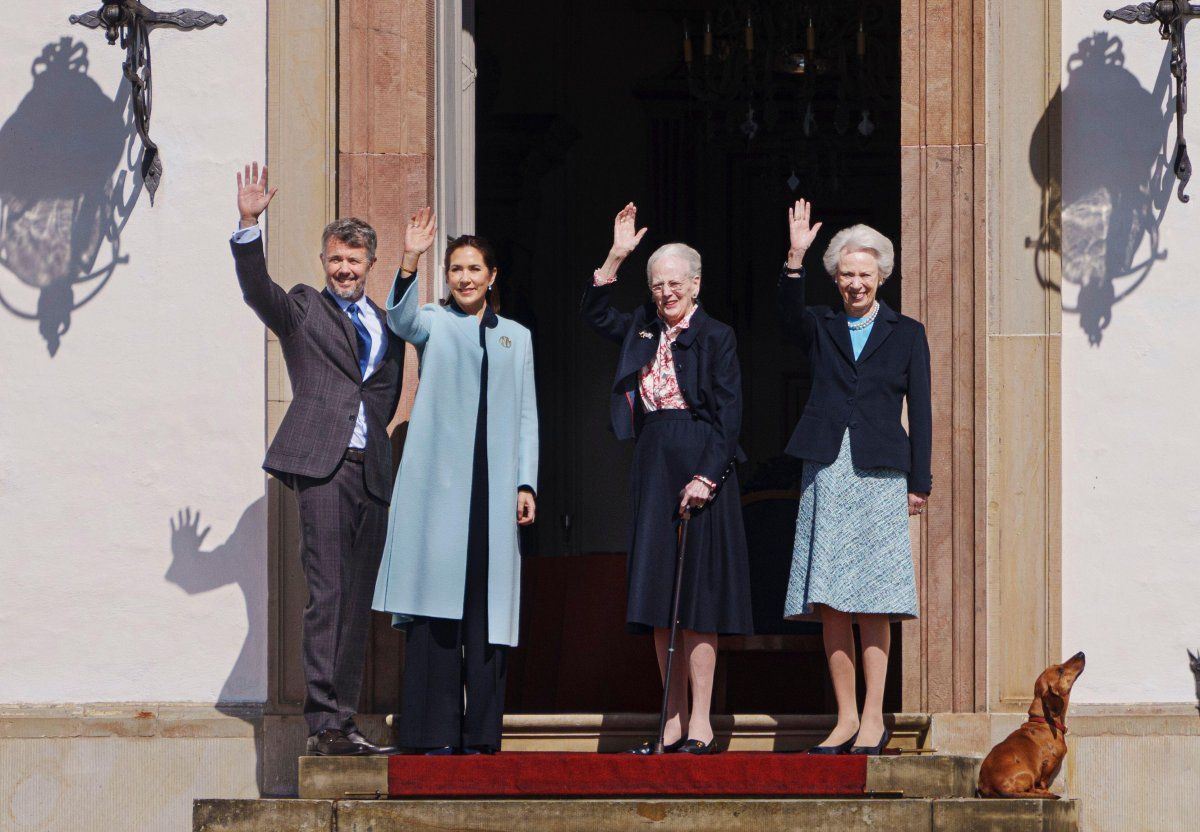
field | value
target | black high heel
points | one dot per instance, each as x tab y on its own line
842	748
646	749
872	750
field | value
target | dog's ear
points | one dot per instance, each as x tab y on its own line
1052	705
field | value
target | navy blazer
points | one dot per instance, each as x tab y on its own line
706	366
864	395
320	350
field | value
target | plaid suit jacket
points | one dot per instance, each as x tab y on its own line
321	354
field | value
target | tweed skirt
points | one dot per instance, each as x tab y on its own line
852	550
715	595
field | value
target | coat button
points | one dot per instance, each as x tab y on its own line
850	400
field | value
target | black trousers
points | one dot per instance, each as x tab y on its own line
343	529
453	689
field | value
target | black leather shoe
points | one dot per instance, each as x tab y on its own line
358	739
842	748
646	749
698	747
470	750
443	751
873	750
334	743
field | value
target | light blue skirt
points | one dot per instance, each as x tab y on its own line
852	549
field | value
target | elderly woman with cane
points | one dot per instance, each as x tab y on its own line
677	392
863	474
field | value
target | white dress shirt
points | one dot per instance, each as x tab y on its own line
370	320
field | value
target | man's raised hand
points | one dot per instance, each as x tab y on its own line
253	194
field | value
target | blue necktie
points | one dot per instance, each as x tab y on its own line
364	339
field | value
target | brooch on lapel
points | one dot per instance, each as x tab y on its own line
505	341
646	334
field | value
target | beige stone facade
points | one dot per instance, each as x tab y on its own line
352	129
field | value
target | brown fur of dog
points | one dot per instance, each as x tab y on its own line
1026	762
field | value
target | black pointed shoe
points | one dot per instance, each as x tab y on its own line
333	743
646	749
699	747
873	750
841	748
356	737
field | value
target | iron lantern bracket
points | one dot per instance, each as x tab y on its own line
1171	17
132	22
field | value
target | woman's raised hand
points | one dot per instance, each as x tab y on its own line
625	233
800	233
420	231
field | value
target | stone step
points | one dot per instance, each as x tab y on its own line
723	815
926	776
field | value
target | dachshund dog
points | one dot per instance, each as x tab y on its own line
1028	760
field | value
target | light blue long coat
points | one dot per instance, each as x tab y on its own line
424	566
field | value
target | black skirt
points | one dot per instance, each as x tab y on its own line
716	574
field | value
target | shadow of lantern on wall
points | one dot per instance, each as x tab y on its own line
66	190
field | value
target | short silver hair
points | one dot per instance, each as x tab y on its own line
353	232
860	238
689	256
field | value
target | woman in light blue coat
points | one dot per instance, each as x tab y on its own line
451	567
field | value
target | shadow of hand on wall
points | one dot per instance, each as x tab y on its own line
1104	213
239	560
66	164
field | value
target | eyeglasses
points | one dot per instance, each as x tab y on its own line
675	286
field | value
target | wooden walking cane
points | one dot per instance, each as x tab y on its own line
659	745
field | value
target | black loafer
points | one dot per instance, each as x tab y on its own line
333	743
699	747
441	751
646	749
479	749
371	748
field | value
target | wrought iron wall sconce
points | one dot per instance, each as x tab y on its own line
132	22
1171	17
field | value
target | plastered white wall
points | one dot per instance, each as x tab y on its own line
1131	369
153	402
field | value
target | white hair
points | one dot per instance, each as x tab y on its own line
689	256
860	238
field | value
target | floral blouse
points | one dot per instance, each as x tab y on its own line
658	386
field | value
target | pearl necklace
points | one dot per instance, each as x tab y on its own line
866	321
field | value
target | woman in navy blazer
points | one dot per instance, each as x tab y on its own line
677	392
863	474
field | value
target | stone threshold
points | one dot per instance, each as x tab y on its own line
740	732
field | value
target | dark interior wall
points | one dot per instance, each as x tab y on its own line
561	146
583	107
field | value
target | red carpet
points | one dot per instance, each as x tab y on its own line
613	775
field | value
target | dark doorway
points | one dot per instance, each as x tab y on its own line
582	107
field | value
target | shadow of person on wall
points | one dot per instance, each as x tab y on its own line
1104	212
239	560
66	164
